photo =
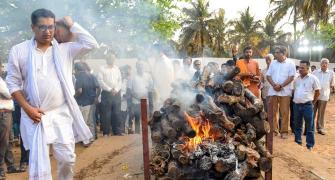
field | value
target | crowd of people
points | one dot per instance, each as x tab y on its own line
296	94
109	100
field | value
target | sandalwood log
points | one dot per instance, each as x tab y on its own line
254	173
241	152
180	124
158	165
243	112
177	150
238	89
175	153
228	125
183	159
253	99
250	133
188	131
173	170
252	157
265	164
235	119
176	122
164	154
229	99
156	135
155	127
262	127
167	129
263	115
232	74
228	87
217	132
262	149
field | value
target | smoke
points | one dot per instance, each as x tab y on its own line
123	26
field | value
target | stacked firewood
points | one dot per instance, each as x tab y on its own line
216	136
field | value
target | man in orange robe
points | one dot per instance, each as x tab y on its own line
249	72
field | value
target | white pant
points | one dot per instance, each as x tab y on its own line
65	156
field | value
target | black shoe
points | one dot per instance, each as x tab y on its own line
130	131
309	148
13	169
120	134
2	175
298	142
322	132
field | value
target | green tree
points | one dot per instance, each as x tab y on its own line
272	34
290	7
316	11
327	35
127	27
217	28
246	30
195	35
311	12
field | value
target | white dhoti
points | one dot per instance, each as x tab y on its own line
57	125
65	156
45	77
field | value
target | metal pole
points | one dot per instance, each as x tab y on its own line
269	137
145	140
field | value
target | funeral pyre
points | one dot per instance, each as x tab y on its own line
217	136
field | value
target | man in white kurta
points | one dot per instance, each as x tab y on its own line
163	76
326	78
54	105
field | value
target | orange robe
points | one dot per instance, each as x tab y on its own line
250	67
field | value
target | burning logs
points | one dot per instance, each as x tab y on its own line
216	136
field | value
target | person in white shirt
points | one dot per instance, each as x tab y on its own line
125	98
280	76
40	80
6	108
306	93
186	72
110	81
140	86
326	78
163	76
265	83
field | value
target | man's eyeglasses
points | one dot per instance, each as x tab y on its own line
45	27
197	64
277	52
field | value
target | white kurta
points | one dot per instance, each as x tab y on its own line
163	76
279	72
185	74
110	78
5	98
140	86
326	79
48	84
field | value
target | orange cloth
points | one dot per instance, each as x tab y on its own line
246	68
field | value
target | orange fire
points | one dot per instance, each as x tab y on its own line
202	128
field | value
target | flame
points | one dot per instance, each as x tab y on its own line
202	128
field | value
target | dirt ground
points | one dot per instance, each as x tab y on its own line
120	157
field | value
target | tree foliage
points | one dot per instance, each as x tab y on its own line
127	27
